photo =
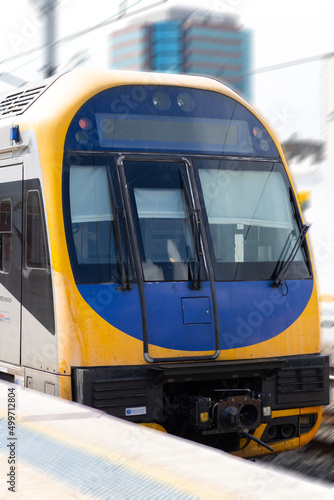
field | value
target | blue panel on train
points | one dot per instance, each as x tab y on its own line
196	310
249	312
253	312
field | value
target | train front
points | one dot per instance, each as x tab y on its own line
190	295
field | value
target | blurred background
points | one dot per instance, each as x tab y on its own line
278	55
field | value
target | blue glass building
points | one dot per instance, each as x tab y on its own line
181	40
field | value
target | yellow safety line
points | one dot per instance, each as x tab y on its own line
182	484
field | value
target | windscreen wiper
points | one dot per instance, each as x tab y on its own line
280	272
196	230
125	278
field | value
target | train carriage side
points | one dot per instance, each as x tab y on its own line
166	276
27	321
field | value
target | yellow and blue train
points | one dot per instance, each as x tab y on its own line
154	262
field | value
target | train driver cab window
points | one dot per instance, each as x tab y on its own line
251	219
250	215
35	255
96	240
165	232
5	235
163	221
91	214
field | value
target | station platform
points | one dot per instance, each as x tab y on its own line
55	449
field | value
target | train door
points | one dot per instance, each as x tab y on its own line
10	262
38	326
177	296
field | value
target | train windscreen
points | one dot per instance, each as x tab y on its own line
251	219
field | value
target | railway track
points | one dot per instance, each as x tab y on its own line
324	439
331	378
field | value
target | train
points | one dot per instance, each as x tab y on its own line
155	263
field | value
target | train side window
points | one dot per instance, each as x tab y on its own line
35	255
5	235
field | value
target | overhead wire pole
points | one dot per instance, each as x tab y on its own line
51	44
122	8
48	9
86	31
50	37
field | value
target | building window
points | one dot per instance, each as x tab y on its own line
36	256
5	235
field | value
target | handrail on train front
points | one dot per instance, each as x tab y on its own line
137	261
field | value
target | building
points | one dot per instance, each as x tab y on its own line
181	40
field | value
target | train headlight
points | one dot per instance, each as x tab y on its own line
185	102
161	101
85	124
82	137
306	420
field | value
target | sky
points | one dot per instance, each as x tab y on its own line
291	99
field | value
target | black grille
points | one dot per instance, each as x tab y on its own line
123	391
115	395
17	102
300	384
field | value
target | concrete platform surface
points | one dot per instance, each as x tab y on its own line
54	449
